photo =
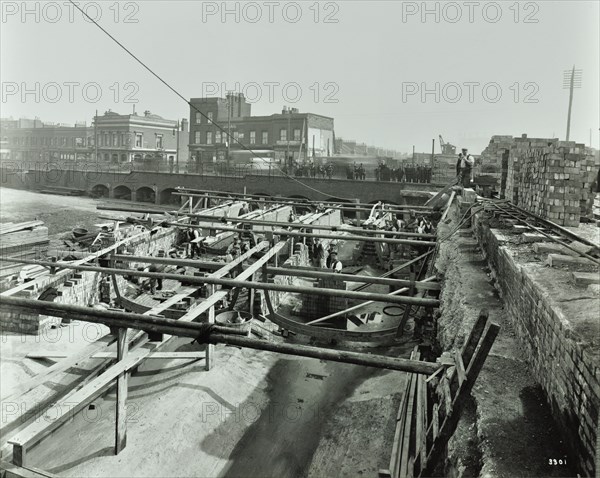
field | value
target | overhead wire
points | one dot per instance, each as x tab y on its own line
229	136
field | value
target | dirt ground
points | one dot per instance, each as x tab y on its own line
254	414
507	429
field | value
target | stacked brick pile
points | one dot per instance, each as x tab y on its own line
316	306
549	177
491	159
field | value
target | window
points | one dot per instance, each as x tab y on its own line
236	135
252	137
114	139
283	134
138	140
265	137
159	142
106	142
197	137
218	139
210	116
198	117
296	135
106	157
80	142
209	137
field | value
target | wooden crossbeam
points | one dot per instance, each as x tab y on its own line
42	428
113	355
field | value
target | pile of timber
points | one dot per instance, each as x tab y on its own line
23	240
63	191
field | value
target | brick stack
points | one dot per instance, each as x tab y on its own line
547	177
491	160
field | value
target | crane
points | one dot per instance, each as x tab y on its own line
447	148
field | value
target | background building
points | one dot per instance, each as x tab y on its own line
147	141
289	134
33	141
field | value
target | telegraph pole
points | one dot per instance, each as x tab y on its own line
571	80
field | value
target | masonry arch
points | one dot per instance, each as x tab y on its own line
145	194
122	192
100	191
167	196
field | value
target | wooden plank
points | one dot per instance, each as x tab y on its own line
113	355
435	421
210	348
121	401
41	428
471	343
420	427
450	422
445	384
423	444
9	470
406	436
171	301
52	372
460	367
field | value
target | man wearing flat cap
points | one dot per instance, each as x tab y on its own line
464	167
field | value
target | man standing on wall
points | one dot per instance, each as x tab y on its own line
465	164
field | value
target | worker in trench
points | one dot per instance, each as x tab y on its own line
335	263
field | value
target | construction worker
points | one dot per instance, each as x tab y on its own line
318	253
464	167
334	264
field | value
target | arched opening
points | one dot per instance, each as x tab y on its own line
123	158
145	194
99	191
167	197
122	192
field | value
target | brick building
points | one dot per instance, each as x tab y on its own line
277	136
139	139
27	141
120	139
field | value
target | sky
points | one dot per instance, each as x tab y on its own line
393	74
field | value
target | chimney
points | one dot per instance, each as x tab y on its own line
284	110
147	113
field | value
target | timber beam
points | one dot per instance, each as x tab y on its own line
240	283
214	334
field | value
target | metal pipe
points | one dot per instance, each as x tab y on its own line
218	335
237	283
356	358
348	277
408	242
207	218
220	194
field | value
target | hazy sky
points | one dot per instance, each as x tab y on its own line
490	67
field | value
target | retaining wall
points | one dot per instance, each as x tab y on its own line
77	287
557	326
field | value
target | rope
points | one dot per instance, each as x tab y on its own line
230	137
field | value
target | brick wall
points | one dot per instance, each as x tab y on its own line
562	357
77	287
